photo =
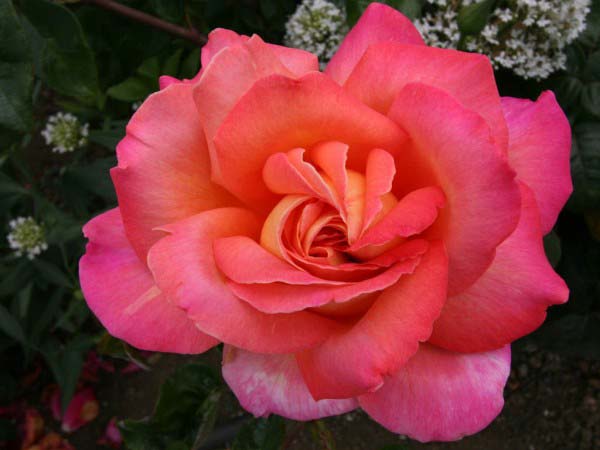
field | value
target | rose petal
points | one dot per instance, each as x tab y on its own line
468	77
288	173
379	23
413	214
278	114
379	176
284	298
119	289
295	60
511	297
184	268
355	361
440	395
272	384
229	75
243	260
451	147
540	150
82	409
219	39
163	173
331	157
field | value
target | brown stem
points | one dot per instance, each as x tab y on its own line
189	34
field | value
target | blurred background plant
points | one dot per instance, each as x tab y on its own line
71	75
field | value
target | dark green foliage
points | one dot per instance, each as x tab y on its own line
184	414
261	434
67	63
473	18
410	8
16	77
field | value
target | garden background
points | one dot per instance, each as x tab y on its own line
63	378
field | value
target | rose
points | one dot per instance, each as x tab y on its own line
370	235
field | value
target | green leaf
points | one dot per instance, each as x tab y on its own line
171	65
109	136
16	72
131	90
46	316
473	18
68	64
52	274
93	178
210	410
23	300
261	434
568	90
190	65
184	414
150	68
66	363
15	277
585	166
590	98
11	326
592	66
410	8
394	447
322	435
9	186
591	35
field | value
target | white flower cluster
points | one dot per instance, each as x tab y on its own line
317	26
65	133
525	36
26	236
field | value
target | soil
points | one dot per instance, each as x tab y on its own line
552	403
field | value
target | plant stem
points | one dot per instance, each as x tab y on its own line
189	34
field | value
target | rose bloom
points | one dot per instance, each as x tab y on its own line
370	236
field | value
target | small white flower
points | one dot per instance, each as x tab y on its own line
65	133
317	26
26	237
525	36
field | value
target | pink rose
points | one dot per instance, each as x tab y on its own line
368	236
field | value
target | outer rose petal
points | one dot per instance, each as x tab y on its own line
184	268
297	61
218	39
440	395
228	76
163	173
279	114
273	384
539	150
510	298
355	361
468	77
119	289
379	23
483	201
